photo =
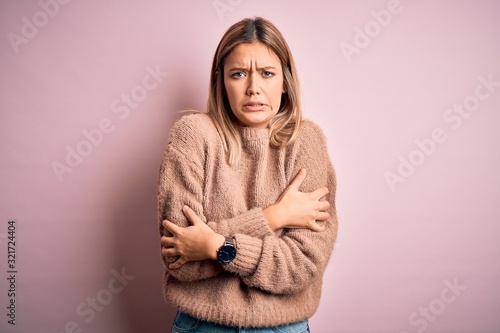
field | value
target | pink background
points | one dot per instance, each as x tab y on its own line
420	255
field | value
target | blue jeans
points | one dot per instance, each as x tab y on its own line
184	323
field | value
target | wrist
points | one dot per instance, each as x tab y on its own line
216	241
271	215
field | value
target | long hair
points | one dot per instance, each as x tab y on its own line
284	126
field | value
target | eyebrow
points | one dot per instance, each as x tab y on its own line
244	69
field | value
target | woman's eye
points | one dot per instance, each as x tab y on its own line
238	74
267	74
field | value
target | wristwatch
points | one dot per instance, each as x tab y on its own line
227	252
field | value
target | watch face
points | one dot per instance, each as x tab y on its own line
227	254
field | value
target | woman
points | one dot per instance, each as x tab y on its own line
247	196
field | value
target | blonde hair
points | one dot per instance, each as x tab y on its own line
284	126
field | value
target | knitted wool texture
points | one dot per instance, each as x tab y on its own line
275	278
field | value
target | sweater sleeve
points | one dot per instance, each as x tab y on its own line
289	263
181	182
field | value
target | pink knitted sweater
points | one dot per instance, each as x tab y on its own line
275	278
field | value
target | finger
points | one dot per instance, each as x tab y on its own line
167	241
169	252
177	264
171	227
324	206
297	181
316	227
320	192
191	215
322	216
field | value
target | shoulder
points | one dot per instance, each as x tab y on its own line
193	124
193	131
193	137
311	135
311	143
310	126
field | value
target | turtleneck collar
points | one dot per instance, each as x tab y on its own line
252	134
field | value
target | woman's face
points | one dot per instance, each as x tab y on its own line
253	79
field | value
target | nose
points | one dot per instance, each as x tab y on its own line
253	87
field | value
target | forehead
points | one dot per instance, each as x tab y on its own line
247	54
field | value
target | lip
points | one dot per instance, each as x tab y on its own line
254	106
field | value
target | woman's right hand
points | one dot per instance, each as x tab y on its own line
295	209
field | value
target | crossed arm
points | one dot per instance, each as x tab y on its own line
292	210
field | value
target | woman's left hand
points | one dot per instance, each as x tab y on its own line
195	242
